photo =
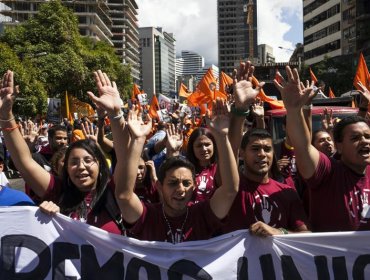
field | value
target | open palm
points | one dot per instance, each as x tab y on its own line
136	124
6	94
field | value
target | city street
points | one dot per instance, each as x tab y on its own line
17	184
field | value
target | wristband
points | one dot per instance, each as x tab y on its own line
13	118
117	117
361	109
307	107
239	112
283	230
10	128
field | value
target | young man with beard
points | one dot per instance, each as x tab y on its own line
339	189
263	205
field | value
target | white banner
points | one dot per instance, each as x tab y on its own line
36	246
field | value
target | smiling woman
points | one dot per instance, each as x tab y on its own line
83	191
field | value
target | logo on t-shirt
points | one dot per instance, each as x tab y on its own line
266	210
362	208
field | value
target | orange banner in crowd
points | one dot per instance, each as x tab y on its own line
274	104
184	92
362	74
154	107
331	93
225	81
313	77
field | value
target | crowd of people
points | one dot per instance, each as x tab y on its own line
186	180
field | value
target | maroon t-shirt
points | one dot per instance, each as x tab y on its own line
339	198
273	203
147	194
205	181
198	224
101	220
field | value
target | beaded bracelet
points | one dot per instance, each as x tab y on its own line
10	128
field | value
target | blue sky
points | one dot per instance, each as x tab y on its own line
194	24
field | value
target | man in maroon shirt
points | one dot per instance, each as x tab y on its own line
263	205
173	220
339	189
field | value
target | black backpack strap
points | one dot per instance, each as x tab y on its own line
113	210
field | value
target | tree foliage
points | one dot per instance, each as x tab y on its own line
50	57
337	73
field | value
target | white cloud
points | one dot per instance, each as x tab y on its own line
194	23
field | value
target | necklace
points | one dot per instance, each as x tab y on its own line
173	236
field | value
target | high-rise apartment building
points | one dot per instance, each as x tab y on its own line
237	32
191	63
157	65
265	54
113	21
93	15
334	28
125	31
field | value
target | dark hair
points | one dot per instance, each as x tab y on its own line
54	129
190	148
174	162
254	132
55	158
314	135
72	197
340	126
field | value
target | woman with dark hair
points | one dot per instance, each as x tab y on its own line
83	191
145	182
202	152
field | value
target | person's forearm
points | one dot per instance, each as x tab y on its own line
236	133
260	122
227	164
307	113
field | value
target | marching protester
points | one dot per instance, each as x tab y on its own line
83	191
202	153
172	220
338	188
263	205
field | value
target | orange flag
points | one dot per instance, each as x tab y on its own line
184	92
207	84
313	77
274	104
362	73
225	81
331	93
135	91
68	113
198	98
154	107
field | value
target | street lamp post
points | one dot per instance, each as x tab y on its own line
299	56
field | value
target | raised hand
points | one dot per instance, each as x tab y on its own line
174	138
89	132
257	109
244	93
292	92
109	98
7	95
136	124
327	120
365	95
220	120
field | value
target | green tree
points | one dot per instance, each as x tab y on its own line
50	57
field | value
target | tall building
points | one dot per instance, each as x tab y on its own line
125	31
265	54
187	68
334	28
237	32
93	16
157	65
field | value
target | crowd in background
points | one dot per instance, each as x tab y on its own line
193	177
